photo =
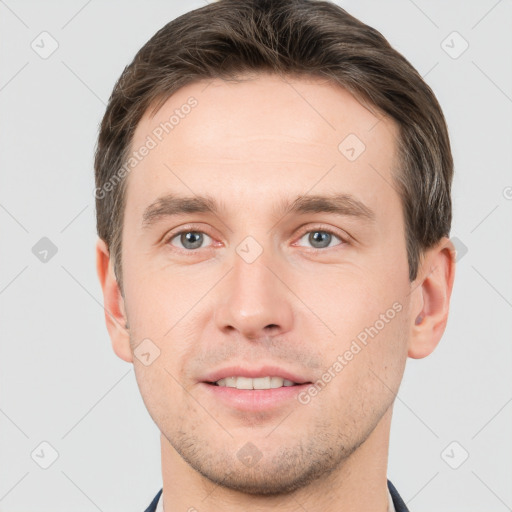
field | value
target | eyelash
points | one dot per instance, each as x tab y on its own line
191	252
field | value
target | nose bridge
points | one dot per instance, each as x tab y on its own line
254	301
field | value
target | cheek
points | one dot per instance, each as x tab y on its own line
347	299
384	351
158	300
369	347
371	373
161	390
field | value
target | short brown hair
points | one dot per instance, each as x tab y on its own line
289	38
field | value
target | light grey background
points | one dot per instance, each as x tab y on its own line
60	381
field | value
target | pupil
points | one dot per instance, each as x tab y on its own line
314	238
193	238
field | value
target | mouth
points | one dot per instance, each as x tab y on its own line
269	388
257	383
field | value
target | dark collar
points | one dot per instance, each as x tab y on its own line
152	506
398	502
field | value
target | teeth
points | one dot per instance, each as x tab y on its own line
276	382
256	383
260	383
243	383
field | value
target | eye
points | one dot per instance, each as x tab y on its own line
321	238
188	239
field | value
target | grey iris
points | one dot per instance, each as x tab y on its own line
192	237
319	237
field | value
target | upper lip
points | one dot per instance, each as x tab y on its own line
254	372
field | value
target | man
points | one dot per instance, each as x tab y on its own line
273	209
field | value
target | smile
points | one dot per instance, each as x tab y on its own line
254	383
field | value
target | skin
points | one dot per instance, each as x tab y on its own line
291	306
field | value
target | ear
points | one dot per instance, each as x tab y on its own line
431	298
115	314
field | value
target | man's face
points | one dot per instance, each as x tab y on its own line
261	287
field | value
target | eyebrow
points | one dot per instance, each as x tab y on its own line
339	204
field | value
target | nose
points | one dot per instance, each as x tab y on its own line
254	300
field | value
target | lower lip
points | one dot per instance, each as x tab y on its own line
254	399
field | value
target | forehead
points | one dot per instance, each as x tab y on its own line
261	137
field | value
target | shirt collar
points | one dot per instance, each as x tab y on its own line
160	504
391	505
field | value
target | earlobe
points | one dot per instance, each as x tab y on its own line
432	292
114	308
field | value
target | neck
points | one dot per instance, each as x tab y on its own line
358	484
